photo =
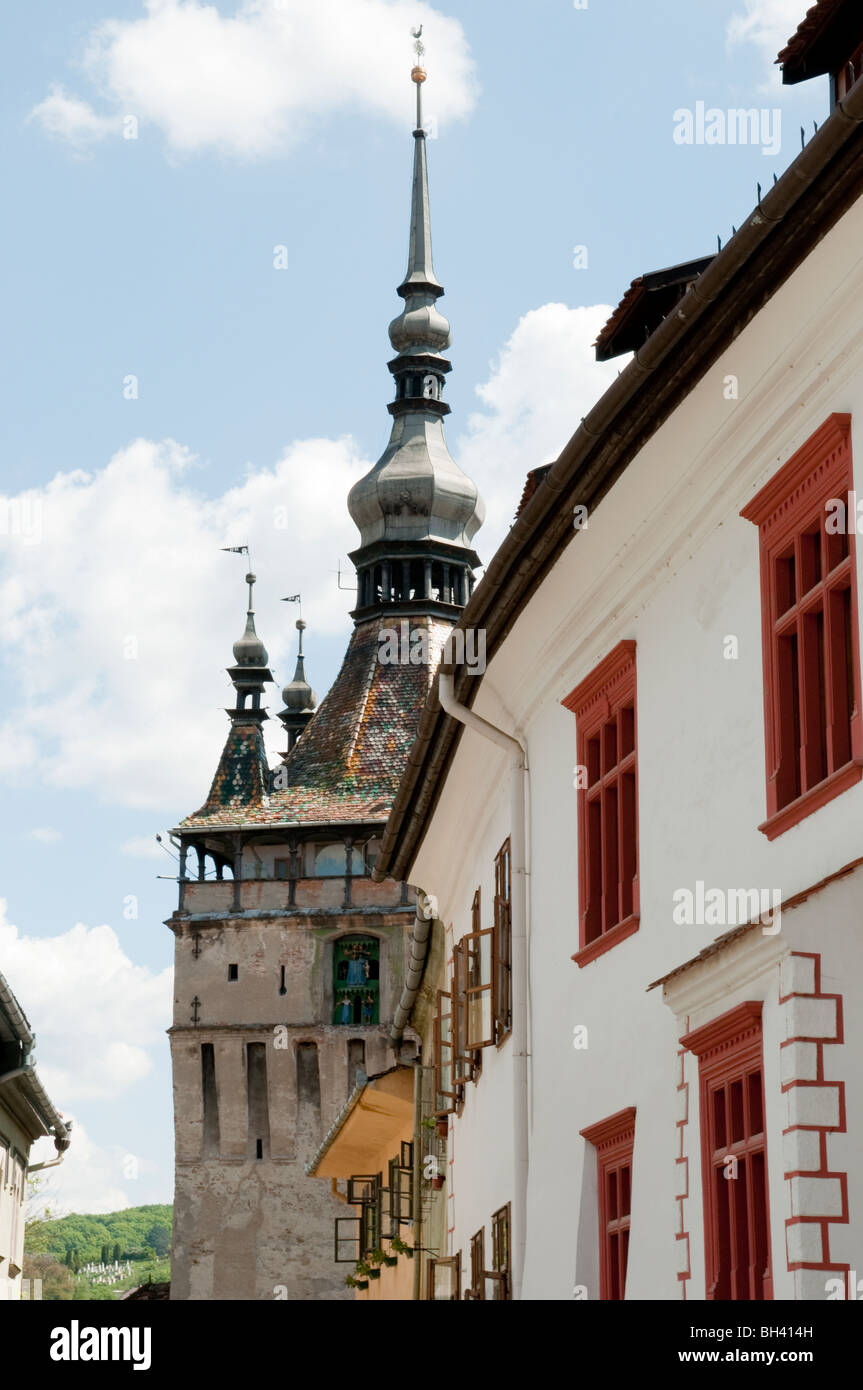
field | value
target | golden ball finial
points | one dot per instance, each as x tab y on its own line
418	74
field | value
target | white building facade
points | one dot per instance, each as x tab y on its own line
26	1114
674	1108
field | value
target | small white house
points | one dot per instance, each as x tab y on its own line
641	826
26	1114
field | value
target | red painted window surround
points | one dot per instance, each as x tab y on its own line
813	719
604	709
736	1207
613	1140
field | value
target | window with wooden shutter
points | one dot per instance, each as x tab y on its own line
444	1279
811	656
614	1140
444	1071
477	1267
734	1154
607	785
497	1278
503	943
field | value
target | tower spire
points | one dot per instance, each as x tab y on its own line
416	511
250	672
300	700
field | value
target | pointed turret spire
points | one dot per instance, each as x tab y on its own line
250	673
416	511
300	700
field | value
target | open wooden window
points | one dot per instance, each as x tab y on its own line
477	950
348	1240
604	709
444	1071
363	1188
734	1154
444	1279
503	943
613	1140
497	1279
477	1267
812	712
401	1179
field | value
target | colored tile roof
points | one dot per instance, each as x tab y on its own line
810	28
347	764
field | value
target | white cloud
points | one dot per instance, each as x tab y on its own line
90	1178
118	611
69	118
81	985
249	82
45	835
544	381
768	24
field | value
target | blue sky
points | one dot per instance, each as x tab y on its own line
261	395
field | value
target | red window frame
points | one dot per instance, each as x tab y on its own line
614	1141
604	706
736	1197
813	723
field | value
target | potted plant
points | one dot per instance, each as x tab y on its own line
401	1248
437	1181
367	1272
442	1127
430	1122
356	1283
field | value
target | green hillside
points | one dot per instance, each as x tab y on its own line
140	1233
87	1257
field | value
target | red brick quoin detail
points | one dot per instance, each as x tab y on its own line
733	1154
604	709
818	1195
813	720
614	1140
681	1234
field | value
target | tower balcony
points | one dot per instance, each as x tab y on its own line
278	896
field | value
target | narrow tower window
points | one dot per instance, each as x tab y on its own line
210	1145
259	1114
233	972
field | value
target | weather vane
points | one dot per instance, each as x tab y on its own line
418	44
250	578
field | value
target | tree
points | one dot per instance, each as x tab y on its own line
104	1255
57	1281
159	1239
116	1253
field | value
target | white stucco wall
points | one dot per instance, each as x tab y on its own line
667	561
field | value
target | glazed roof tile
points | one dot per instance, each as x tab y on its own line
347	764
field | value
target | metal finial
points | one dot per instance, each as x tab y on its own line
418	73
296	598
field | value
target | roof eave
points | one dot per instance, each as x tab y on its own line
816	189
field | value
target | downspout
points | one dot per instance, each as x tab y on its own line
420	933
417	1177
518	765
